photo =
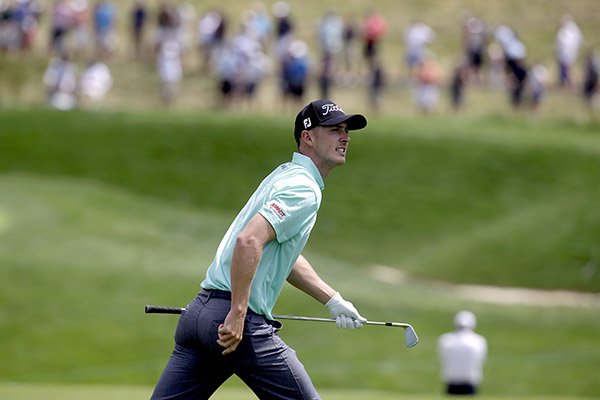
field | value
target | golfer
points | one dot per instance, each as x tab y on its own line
228	328
462	355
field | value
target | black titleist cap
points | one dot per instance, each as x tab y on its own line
325	113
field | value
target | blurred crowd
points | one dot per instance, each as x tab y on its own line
266	44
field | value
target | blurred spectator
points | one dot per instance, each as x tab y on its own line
61	22
80	17
29	26
139	15
18	24
170	69
475	44
458	82
60	79
568	41
538	84
167	25
462	354
104	28
283	20
284	37
325	76
376	84
185	15
94	83
417	36
296	71
228	62
349	37
514	59
259	23
211	36
331	29
258	65
373	30
9	26
252	63
495	57
590	78
429	78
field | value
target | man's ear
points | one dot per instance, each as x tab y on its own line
307	136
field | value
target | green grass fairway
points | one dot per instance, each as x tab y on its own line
101	214
103	392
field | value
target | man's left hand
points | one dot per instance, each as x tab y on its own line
345	314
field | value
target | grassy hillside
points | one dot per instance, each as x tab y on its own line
488	201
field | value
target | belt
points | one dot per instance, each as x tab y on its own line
225	295
218	294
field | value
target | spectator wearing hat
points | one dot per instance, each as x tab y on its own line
462	354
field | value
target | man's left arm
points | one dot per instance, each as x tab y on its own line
304	277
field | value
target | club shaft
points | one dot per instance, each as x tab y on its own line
316	319
410	336
178	310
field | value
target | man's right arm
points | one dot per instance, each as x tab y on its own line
246	256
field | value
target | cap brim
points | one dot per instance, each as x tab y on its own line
354	122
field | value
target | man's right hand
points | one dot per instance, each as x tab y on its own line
231	332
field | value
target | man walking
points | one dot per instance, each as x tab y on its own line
228	328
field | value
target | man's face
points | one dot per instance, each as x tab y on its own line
331	144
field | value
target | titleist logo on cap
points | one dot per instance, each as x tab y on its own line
327	108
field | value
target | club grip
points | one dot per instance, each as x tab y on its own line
162	310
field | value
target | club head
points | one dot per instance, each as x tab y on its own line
410	337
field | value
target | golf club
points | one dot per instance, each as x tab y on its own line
410	336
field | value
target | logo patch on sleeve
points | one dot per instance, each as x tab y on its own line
277	209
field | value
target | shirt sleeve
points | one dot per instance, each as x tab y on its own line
290	211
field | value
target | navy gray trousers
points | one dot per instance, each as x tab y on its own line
262	360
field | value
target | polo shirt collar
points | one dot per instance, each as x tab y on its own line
307	163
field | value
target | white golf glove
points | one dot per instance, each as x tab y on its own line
345	314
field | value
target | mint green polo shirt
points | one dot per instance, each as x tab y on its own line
289	199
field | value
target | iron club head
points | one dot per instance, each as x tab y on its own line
410	336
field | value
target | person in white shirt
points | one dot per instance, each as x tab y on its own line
60	80
417	36
170	69
95	82
462	355
568	42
